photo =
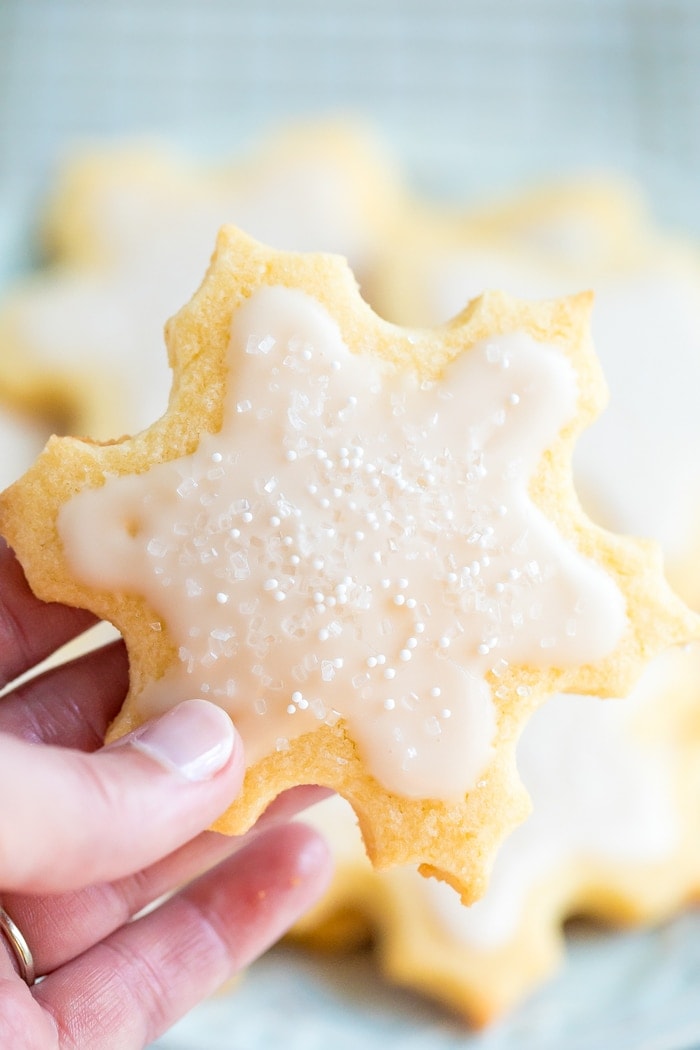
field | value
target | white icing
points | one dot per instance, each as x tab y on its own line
639	459
597	793
107	328
356	544
600	792
107	324
21	440
646	329
564	239
448	282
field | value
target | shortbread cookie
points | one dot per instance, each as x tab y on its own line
646	329
21	441
615	788
597	223
543	241
25	425
362	541
130	231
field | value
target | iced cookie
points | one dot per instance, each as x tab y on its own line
615	788
21	439
543	241
362	541
130	231
646	329
24	429
26	421
592	222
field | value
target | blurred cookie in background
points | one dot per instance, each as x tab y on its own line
637	465
129	231
615	789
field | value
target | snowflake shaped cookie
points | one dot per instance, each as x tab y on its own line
547	242
130	229
613	835
360	540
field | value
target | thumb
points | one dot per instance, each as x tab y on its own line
69	819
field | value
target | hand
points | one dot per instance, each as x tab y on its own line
89	836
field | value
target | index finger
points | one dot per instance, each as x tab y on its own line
30	629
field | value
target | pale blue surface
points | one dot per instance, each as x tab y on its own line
622	991
473	96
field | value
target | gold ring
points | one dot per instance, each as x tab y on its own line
20	948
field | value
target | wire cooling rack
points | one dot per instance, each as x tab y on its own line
473	96
469	93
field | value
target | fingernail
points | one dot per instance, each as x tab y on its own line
195	739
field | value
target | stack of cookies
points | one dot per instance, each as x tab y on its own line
360	496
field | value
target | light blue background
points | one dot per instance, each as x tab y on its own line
634	991
473	97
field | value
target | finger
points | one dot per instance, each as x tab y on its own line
22	1024
71	705
129	989
58	928
30	630
77	819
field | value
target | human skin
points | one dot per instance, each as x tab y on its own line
89	836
